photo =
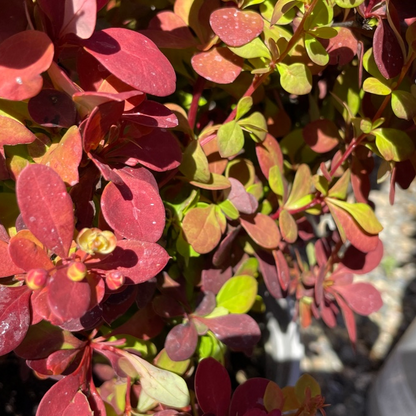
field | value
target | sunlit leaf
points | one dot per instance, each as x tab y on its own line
394	144
295	78
403	104
195	163
301	186
181	341
375	86
79	18
348	4
12	132
230	139
254	49
288	227
315	50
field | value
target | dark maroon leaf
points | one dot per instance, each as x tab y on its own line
67	299
181	341
117	304
146	151
134	59
146	292
12	18
7	266
139	261
222	253
386	49
245	202
341	48
214	279
91	319
52	108
100	121
247	396
46	207
207	304
135	209
239	332
57	399
362	263
152	114
212	387
108	173
268	270
167	307
91	72
282	269
14	316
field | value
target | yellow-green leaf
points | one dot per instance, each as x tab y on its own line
403	104
375	86
394	144
295	78
316	51
230	139
195	163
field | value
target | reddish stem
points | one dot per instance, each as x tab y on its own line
198	89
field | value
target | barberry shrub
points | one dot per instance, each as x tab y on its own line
159	161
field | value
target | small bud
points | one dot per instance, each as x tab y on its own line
93	240
114	280
36	278
76	271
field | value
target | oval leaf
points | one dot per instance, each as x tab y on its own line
181	341
321	135
262	229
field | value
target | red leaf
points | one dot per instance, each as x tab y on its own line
341	48
222	254
91	72
166	306
100	121
108	173
135	209
282	269
57	399
91	319
12	132
79	404
207	304
262	229
56	363
139	261
245	202
52	108
321	135
181	341
79	18
212	387
248	395
20	72
118	303
362	263
67	299
12	18
134	59
152	114
27	252
269	272
348	318
46	207
239	332
235	27
269	154
146	151
387	52
362	298
218	65
14	316
7	266
214	279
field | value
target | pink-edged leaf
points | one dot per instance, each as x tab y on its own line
118	303
52	108
79	18
20	72
67	299
181	341
361	297
207	304
269	154
212	387
152	114
12	19
14	316
236	27
321	135
26	252
65	157
100	121
46	207
240	332
248	395
362	263
245	202
214	279
139	261
7	265
168	30
12	132
349	318
282	269
262	229
268	270
135	209
58	398
79	404
134	59
387	51
146	151
218	65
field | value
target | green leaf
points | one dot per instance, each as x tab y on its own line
243	107
301	186
320	183
256	125
340	188
374	86
238	294
229	209
403	104
230	139
295	79
276	181
394	144
288	227
362	213
316	51
145	348
216	182
248	267
281	8
164	362
324	32
347	90
161	385
195	163
321	15
348	4
254	49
